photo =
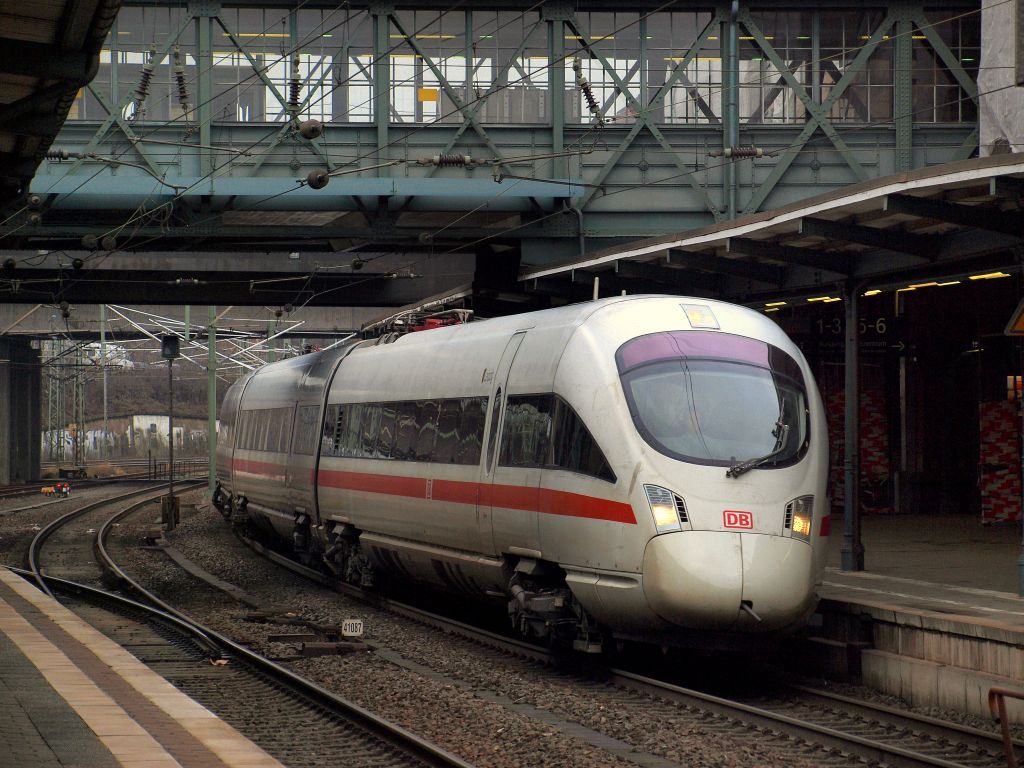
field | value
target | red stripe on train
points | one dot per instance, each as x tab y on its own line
267	468
544	500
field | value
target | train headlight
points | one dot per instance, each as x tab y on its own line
800	517
667	509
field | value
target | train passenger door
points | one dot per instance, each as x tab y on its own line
490	510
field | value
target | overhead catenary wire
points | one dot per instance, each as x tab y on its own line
512	82
618	191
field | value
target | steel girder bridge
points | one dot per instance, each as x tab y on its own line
520	133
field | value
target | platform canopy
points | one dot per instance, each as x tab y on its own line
49	49
953	219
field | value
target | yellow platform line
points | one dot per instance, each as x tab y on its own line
128	742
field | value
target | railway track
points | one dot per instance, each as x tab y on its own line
290	718
822	727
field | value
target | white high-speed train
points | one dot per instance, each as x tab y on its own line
649	468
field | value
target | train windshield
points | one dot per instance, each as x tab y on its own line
713	398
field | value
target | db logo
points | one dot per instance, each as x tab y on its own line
735	519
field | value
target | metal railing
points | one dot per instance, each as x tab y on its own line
157	470
997	706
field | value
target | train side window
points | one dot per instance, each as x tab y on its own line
405	431
328	433
262	427
351	444
574	447
243	417
386	430
269	441
368	431
471	430
526	438
426	429
448	421
274	430
304	438
493	434
284	441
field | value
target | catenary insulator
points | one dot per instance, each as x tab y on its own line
588	92
294	85
59	154
318	179
311	129
738	152
179	78
90	242
452	161
108	243
142	90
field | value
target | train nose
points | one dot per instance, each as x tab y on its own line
702	579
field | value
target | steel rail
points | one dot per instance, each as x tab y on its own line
372	722
864	747
36	545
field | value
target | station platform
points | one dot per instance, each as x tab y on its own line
72	698
935	617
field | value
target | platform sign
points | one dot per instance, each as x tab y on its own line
1016	325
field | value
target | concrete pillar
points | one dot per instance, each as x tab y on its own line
20	414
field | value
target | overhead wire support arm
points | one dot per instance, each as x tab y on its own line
62	154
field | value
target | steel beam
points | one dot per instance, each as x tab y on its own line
923	246
47	62
796	147
381	79
1007	186
211	396
852	549
761	273
669	278
903	90
643	120
817	112
978	216
838	263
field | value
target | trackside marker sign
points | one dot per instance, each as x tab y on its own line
732	518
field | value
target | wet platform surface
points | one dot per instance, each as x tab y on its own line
72	698
946	565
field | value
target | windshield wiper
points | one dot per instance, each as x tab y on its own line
781	431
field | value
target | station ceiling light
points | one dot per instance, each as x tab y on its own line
988	276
